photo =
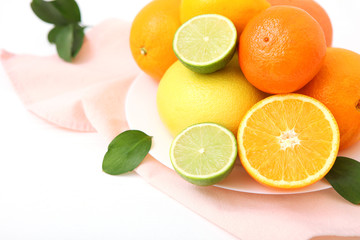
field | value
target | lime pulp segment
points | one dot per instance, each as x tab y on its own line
204	154
205	42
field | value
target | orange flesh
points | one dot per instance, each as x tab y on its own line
288	140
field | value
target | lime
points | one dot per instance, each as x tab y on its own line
205	43
204	153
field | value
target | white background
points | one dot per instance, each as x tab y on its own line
51	182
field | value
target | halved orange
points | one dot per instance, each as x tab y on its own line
288	141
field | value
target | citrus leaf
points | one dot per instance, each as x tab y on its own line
52	35
78	40
67	34
126	152
344	176
64	42
69	10
47	12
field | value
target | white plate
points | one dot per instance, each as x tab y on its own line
142	114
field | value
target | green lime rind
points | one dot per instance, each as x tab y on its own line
189	43
217	158
211	68
201	181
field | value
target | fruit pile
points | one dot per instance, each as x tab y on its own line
263	71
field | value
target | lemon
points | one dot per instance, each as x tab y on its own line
204	153
238	11
205	43
185	98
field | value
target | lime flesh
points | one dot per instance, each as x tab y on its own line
205	43
204	154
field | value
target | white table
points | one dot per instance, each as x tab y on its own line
51	182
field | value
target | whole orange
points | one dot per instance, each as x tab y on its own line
315	10
337	86
151	36
281	49
238	11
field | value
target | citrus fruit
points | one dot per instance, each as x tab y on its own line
238	11
337	86
288	141
204	153
205	43
315	10
281	49
151	35
185	98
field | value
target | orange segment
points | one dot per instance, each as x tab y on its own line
288	141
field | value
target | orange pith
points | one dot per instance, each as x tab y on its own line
288	141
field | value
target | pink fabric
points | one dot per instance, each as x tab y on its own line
53	89
89	95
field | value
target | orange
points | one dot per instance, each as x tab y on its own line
315	10
337	85
151	36
288	141
238	11
281	49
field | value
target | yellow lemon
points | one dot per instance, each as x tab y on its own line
238	11
185	98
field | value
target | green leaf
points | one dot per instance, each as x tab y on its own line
69	10
67	33
64	42
126	152
75	39
48	12
78	40
344	176
52	35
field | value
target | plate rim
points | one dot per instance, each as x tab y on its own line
272	191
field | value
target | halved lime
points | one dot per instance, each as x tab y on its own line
205	43
204	153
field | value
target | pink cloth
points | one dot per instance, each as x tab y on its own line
89	95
